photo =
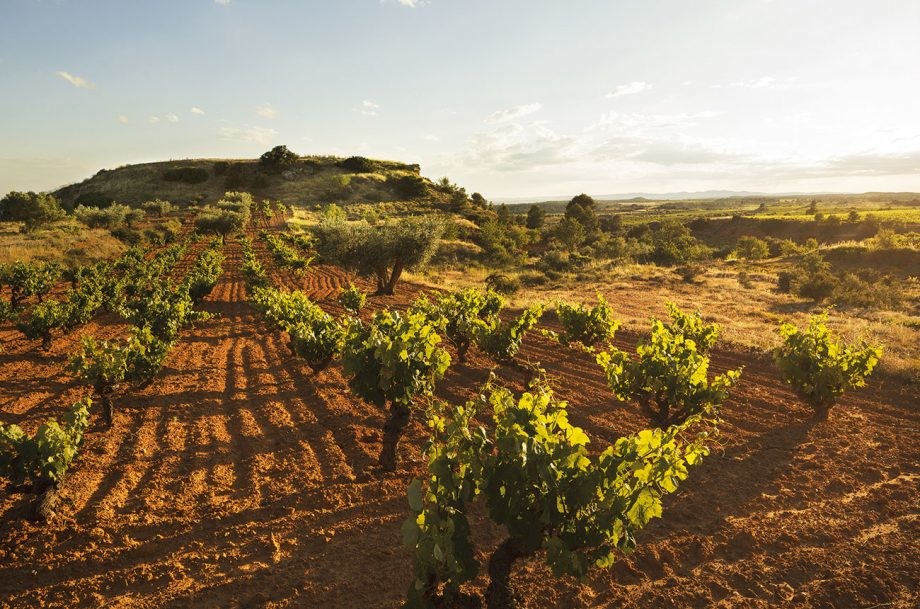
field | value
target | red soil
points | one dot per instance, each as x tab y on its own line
239	479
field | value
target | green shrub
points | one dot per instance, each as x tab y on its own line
752	248
586	325
821	367
384	250
43	319
186	175
278	158
33	209
503	284
460	314
537	479
318	340
393	360
94	199
408	186
352	299
358	164
502	340
43	459
107	365
205	273
29	279
220	222
692	326
159	207
668	378
689	273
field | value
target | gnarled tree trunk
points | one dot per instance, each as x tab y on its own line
501	594
392	432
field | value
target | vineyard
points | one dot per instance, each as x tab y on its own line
232	420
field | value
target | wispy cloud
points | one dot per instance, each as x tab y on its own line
222	2
501	116
246	133
369	108
630	88
196	110
638	122
515	147
153	120
763	82
77	81
172	118
123	119
267	111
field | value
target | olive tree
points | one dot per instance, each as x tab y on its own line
34	209
384	250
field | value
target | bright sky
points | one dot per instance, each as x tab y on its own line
511	98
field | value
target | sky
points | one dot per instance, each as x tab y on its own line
510	98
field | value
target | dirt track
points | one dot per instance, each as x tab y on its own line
238	479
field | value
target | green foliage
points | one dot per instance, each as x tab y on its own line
314	334
408	186
394	359
107	365
278	158
29	279
43	319
503	284
537	479
33	209
581	209
7	312
253	271
145	356
571	233
692	326
588	326
318	340
282	307
186	175
752	248
111	217
284	255
165	310
43	459
222	222
159	207
669	378
535	217
384	250
206	271
83	302
501	340
503	243
820	366
812	278
352	299
358	164
673	243
461	313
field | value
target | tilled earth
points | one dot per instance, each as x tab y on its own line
240	479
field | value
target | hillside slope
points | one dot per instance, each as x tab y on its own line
310	180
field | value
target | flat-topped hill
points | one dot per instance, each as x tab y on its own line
303	181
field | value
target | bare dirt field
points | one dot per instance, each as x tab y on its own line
239	479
